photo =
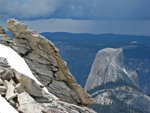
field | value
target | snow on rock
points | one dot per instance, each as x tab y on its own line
18	63
104	99
6	107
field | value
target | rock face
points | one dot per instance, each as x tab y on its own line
16	93
108	67
47	66
113	86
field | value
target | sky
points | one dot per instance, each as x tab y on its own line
80	16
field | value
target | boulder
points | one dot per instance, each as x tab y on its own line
2	89
28	105
7	75
1	82
10	90
3	62
19	88
2	71
30	85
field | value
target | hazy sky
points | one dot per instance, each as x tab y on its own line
91	16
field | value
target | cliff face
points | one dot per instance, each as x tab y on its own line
108	67
113	86
44	61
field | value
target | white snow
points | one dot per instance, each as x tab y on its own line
18	63
6	107
126	72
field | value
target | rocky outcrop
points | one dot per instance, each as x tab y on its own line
47	66
43	59
15	91
108	66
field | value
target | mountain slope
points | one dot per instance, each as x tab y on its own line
113	85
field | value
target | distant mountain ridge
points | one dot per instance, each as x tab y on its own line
79	51
141	39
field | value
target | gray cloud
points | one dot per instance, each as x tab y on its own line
80	16
76	9
29	9
138	27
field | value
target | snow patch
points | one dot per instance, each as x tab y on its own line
6	107
124	70
104	99
16	62
19	64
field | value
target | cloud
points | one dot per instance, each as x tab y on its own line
29	9
76	9
137	27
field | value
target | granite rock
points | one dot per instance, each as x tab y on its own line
44	60
46	64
